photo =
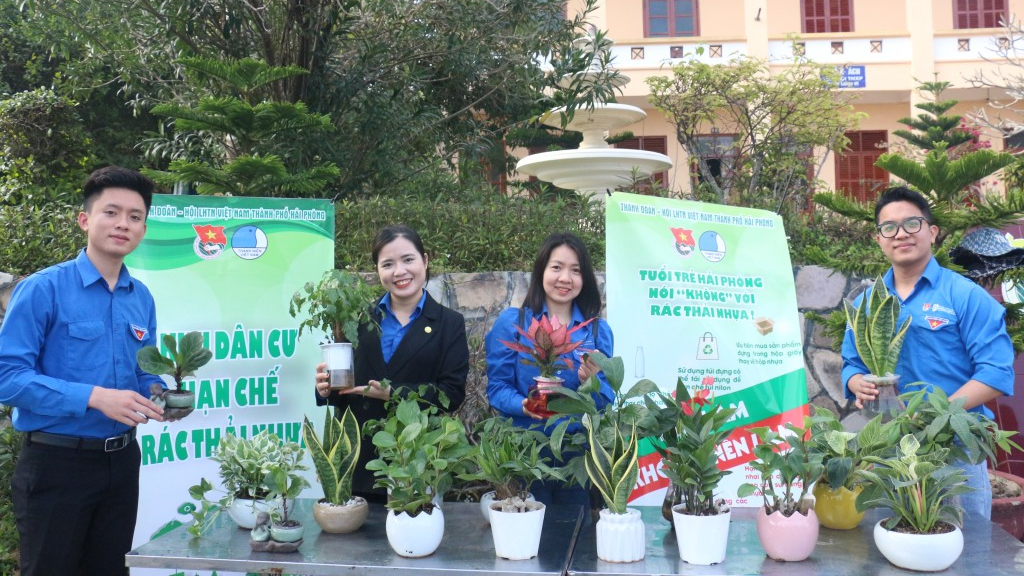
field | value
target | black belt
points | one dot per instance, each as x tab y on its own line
112	444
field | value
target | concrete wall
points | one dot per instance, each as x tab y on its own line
480	297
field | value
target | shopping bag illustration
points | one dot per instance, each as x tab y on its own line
707	347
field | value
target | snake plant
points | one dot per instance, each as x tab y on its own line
876	335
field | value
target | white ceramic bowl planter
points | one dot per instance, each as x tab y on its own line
920	552
620	537
702	540
243	510
517	534
414	537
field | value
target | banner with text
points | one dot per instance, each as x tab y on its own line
227	267
705	292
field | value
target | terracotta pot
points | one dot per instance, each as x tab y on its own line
701	540
341	518
837	509
789	539
920	552
1009	512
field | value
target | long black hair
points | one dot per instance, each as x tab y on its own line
388	234
589	298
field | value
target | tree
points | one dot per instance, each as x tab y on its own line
751	134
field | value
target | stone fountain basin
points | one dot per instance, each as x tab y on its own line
593	170
603	117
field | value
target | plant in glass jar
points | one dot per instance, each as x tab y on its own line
879	339
549	342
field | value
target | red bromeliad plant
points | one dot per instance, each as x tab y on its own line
549	340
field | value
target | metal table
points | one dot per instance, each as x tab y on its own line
466	547
988	550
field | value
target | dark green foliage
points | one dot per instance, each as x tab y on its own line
10	446
34	237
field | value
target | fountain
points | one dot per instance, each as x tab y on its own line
595	166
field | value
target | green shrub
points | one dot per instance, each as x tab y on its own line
38	236
10	446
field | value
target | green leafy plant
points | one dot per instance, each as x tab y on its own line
335	454
843	454
612	471
790	458
10	448
244	466
917	486
509	457
285	484
690	457
875	331
187	356
419	454
548	341
336	305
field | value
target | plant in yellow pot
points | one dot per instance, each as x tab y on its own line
843	457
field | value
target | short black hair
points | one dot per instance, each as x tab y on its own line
903	194
116	177
589	298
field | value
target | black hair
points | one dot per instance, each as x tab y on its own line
589	298
116	177
903	194
388	234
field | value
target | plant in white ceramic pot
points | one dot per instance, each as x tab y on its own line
335	456
285	484
186	356
243	465
337	305
690	459
786	523
419	454
508	458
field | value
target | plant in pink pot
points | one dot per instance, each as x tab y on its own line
786	524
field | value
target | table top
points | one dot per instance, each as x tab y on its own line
988	550
467	546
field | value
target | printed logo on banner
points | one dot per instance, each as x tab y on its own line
210	241
712	246
707	347
249	242
684	241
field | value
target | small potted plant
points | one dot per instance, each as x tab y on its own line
690	461
878	340
285	484
786	523
337	306
186	356
548	340
843	459
335	456
419	454
243	468
613	471
923	532
509	458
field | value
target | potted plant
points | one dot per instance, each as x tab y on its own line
335	456
843	458
285	484
419	454
613	471
548	341
336	306
923	532
187	356
690	460
1008	502
786	523
878	340
509	458
243	468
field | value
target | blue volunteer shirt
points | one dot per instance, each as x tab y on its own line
957	333
65	331
391	330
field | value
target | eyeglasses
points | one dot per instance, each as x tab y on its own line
911	225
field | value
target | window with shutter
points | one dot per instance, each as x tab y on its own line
856	173
657	144
671	18
979	13
826	16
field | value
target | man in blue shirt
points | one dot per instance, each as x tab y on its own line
957	339
67	365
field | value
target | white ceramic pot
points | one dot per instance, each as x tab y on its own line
414	537
343	518
620	537
243	510
701	539
920	552
516	534
488	498
338	357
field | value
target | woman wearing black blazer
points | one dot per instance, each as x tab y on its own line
419	342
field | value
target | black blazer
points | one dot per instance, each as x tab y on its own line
434	351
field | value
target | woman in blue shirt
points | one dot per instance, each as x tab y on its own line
562	284
420	342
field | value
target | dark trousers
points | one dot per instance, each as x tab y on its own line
75	509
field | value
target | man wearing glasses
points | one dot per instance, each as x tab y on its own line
957	339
